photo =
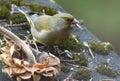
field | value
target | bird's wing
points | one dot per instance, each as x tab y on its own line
27	13
24	11
40	21
43	22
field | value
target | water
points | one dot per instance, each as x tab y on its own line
102	17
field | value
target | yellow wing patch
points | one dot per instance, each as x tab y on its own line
31	23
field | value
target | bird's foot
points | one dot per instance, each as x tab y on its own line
57	51
35	45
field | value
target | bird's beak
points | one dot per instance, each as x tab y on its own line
76	23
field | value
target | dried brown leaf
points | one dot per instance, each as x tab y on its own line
5	49
26	64
53	60
48	72
53	68
26	75
19	42
36	77
31	69
48	65
7	42
6	59
2	49
17	62
17	71
12	49
15	52
41	66
40	71
56	72
7	70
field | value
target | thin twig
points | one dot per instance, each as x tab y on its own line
68	78
69	61
15	25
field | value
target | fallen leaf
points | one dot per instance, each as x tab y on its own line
26	75
31	69
17	62
15	53
36	77
53	60
46	71
41	66
26	64
17	71
6	59
7	70
5	49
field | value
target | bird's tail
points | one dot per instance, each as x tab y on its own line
24	10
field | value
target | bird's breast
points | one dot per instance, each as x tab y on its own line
50	37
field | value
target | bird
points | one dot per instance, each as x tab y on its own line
49	30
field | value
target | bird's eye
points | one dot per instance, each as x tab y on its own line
69	20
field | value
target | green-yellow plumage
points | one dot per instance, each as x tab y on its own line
49	30
52	30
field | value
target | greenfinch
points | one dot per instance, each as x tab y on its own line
49	30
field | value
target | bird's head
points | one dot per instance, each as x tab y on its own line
68	19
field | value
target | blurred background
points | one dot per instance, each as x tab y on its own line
101	17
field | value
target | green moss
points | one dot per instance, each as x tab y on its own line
106	70
5	3
101	48
82	74
70	44
18	18
4	9
1	36
82	60
39	8
65	69
17	2
4	12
